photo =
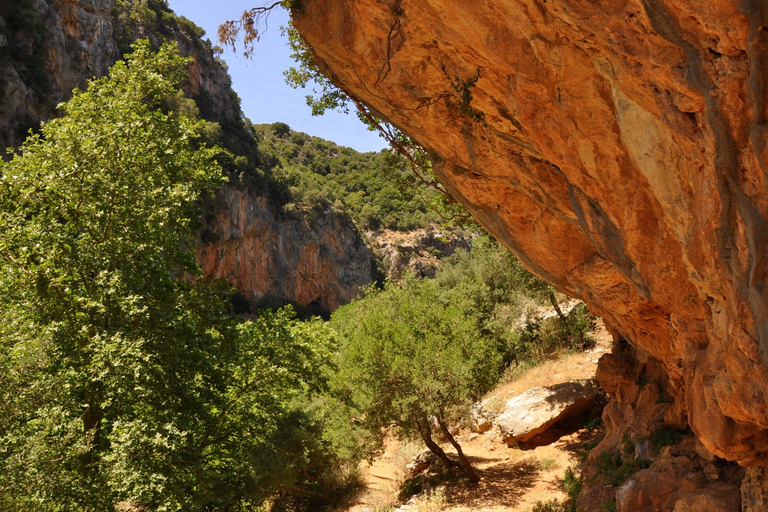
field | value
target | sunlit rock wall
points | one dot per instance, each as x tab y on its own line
617	147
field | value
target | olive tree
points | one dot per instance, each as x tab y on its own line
411	353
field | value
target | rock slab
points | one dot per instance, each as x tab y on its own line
534	411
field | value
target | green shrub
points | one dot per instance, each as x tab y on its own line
538	339
548	506
593	424
572	486
281	129
548	464
616	469
665	436
411	352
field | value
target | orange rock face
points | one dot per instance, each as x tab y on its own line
617	147
273	259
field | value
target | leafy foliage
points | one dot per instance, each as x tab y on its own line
123	380
241	159
375	189
547	506
572	485
497	290
408	353
616	467
152	17
428	348
665	436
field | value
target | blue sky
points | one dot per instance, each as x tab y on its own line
258	81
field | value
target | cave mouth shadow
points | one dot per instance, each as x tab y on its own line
569	427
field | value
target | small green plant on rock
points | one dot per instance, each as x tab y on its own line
616	470
593	424
664	436
464	89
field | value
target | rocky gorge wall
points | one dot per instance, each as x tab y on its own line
272	258
49	47
618	148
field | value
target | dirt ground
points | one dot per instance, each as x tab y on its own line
512	479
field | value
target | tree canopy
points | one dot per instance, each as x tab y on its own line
410	353
122	377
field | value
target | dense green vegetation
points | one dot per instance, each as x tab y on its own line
412	352
412	162
375	189
300	173
123	379
242	160
429	348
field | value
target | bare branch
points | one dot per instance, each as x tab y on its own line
253	23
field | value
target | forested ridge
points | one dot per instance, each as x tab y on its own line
375	189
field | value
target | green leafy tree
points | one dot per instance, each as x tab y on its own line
99	302
122	379
409	354
495	288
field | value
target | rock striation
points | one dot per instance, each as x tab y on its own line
618	148
272	258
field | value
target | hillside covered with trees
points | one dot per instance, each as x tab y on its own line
376	189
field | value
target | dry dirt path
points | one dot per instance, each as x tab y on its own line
512	479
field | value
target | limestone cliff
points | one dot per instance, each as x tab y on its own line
272	258
46	50
618	148
418	252
49	47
